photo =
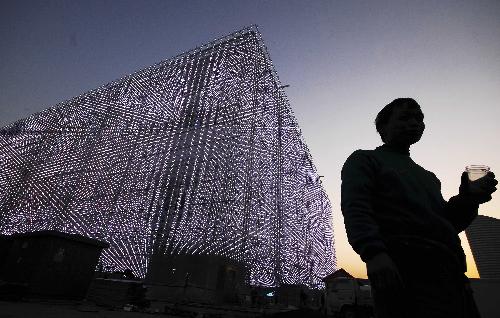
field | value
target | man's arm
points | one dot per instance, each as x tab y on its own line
462	209
358	185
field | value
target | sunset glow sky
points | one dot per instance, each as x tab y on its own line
343	60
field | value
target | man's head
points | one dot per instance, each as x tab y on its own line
401	122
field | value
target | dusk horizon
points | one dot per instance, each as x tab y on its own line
342	61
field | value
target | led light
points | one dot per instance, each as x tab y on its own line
199	154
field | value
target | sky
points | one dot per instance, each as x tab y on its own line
343	60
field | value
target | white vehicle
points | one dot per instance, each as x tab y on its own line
348	298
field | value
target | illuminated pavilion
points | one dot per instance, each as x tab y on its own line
199	154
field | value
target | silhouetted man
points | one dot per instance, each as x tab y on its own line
398	222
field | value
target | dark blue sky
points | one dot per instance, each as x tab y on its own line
58	49
343	60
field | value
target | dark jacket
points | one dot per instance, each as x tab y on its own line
387	197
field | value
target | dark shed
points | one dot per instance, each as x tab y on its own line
52	264
5	244
209	279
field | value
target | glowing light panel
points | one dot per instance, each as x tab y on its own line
198	154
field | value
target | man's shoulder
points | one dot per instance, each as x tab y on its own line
362	153
427	172
361	162
360	157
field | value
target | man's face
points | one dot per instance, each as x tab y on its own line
405	126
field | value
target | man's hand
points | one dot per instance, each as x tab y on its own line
479	190
383	273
